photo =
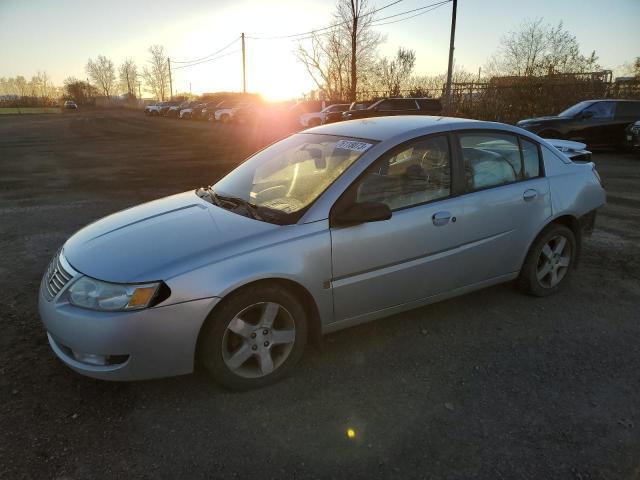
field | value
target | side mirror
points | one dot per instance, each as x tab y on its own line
363	212
585	115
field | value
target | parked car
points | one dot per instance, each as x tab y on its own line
208	109
632	135
186	113
163	110
331	117
314	119
153	109
397	106
175	110
70	105
226	114
598	123
576	151
326	229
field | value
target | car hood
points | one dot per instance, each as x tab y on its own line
158	240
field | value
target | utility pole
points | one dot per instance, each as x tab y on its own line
170	82
244	71
139	92
451	49
189	88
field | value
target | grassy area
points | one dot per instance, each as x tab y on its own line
27	110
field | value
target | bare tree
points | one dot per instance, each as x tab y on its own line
537	48
128	73
41	86
394	74
156	77
355	18
102	73
326	60
630	69
343	57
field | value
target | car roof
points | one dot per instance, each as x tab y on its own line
385	128
617	100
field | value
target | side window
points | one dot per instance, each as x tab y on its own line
385	106
628	109
602	110
418	173
490	159
530	158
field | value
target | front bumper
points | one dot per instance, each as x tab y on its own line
151	343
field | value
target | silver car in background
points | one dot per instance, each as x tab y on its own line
326	229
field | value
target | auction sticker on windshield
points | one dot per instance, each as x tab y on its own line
353	145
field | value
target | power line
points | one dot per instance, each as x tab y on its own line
441	4
310	32
211	54
421	10
207	61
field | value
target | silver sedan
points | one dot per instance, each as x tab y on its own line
326	229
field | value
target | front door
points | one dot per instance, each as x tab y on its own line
408	257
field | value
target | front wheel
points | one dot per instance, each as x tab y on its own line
549	262
255	338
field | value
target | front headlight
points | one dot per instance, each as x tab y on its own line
97	295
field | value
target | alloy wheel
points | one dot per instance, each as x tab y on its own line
554	261
258	340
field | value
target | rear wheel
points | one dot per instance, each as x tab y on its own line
255	338
549	262
225	118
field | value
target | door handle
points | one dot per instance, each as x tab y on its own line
442	218
529	195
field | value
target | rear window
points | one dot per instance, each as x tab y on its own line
430	105
493	159
397	104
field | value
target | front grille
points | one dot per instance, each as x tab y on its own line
56	277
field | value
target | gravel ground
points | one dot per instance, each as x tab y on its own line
493	384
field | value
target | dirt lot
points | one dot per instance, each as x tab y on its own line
490	385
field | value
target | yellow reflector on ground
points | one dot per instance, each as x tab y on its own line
351	433
141	297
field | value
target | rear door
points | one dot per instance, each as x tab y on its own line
506	200
599	129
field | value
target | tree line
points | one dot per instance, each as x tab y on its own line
103	79
343	62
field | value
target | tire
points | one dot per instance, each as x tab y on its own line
237	338
224	118
314	122
550	261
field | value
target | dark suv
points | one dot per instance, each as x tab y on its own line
598	123
397	106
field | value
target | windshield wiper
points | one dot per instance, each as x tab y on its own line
256	212
207	193
249	208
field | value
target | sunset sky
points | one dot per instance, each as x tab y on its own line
59	36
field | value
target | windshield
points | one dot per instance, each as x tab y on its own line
289	175
576	109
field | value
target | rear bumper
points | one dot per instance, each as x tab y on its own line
150	343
